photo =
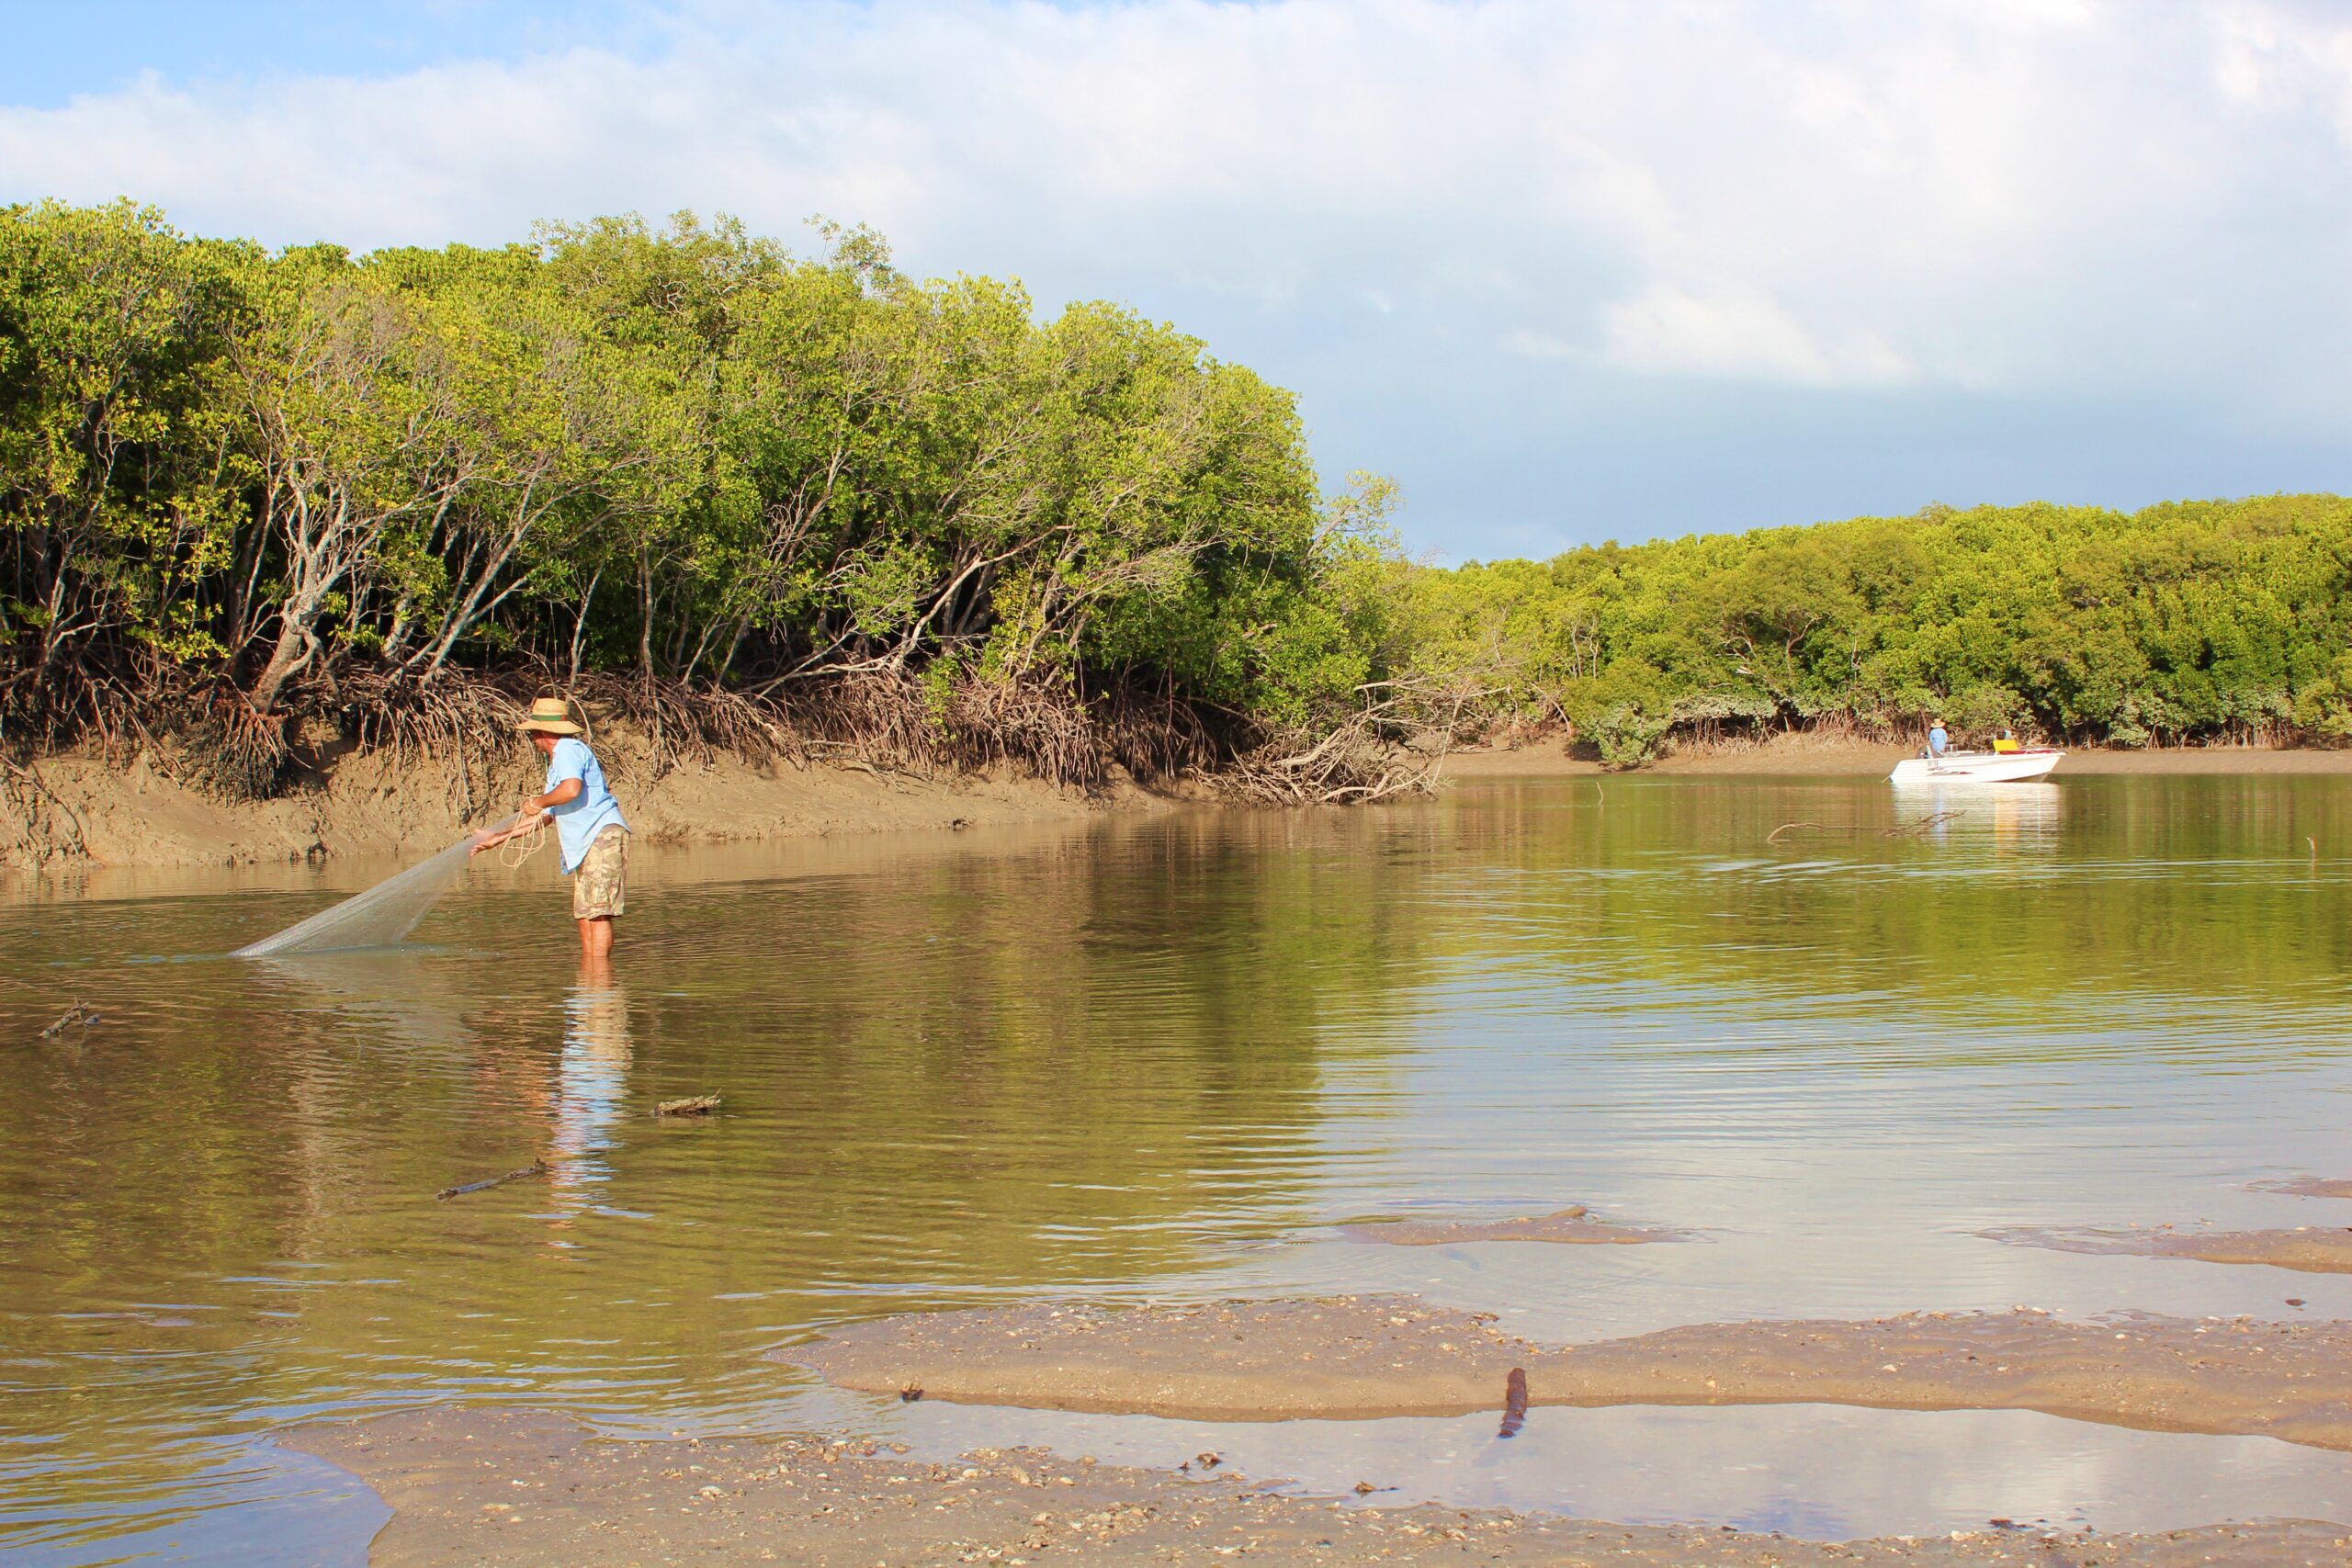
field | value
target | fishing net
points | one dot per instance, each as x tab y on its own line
377	917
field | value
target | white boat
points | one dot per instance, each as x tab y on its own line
1977	767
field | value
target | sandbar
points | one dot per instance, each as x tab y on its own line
2310	1250
1363	1357
521	1489
2308	1187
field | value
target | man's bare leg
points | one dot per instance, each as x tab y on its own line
597	937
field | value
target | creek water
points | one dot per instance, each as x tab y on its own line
1155	1058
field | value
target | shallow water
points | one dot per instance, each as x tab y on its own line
1161	1058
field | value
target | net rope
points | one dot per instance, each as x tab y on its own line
385	913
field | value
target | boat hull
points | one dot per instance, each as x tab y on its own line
1976	767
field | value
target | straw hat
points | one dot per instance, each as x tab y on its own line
551	714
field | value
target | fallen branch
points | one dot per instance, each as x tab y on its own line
537	1168
1395	744
693	1105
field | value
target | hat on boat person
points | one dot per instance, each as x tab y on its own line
550	716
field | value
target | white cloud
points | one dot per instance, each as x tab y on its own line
1738	334
2287	60
2085	203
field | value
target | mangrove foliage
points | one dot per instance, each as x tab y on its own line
740	493
256	506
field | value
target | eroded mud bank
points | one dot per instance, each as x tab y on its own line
1372	1356
511	1489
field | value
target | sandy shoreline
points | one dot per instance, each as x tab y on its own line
1832	757
516	1487
96	811
520	1489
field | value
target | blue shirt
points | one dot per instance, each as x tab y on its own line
587	814
1936	742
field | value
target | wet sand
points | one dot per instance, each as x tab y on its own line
2308	1249
2308	1187
506	1489
1363	1357
1573	1225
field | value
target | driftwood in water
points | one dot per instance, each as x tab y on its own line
1934	820
693	1105
80	1012
1514	1403
537	1168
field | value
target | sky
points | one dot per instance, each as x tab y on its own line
1567	270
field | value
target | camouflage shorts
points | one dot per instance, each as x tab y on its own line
598	887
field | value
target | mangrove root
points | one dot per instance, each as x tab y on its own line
693	1105
537	1168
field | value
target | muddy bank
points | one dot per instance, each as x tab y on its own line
521	1488
1835	757
2310	1250
96	812
1573	1225
1358	1357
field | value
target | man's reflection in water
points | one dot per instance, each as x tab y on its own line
591	1084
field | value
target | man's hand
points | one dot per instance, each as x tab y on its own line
526	818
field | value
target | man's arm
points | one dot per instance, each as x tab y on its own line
491	838
568	790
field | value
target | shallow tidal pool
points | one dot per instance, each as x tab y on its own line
1833	1032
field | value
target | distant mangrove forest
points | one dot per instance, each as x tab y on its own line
261	506
2186	623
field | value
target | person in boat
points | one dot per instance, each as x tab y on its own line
588	827
1939	742
2005	741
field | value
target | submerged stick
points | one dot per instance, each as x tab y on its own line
1514	1403
537	1168
1899	831
1930	820
693	1105
78	1013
